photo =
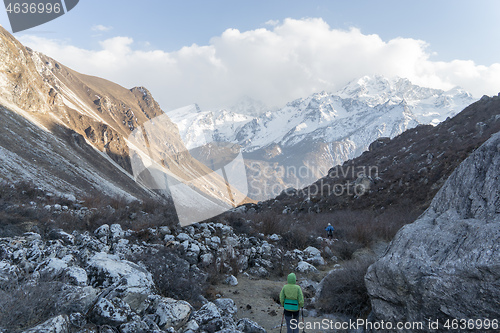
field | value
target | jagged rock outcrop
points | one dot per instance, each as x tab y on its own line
446	265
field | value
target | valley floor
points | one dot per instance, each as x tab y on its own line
256	299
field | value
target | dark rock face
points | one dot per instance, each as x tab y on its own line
446	265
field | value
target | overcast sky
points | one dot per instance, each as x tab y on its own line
213	52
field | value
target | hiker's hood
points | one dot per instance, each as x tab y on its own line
291	279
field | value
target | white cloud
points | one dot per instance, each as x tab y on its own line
101	28
272	22
291	60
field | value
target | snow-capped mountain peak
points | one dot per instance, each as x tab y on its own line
357	105
336	126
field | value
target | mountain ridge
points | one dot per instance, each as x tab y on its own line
68	106
324	129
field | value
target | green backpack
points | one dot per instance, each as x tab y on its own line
291	305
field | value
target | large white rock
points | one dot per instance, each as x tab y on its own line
246	325
207	313
9	274
311	251
182	237
207	259
116	232
110	312
59	324
231	280
102	231
227	305
316	261
76	275
134	327
305	267
105	269
169	312
52	267
446	264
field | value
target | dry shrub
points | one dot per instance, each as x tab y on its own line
134	215
344	290
238	223
344	250
298	237
29	304
174	276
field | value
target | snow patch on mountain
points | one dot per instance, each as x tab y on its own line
324	129
362	111
198	127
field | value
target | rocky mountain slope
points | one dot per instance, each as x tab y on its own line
70	132
445	266
297	144
121	277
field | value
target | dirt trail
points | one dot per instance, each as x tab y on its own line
255	299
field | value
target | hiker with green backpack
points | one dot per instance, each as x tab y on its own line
292	300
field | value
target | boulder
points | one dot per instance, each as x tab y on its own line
207	313
62	235
274	237
311	251
76	276
213	242
206	259
249	326
446	265
102	231
116	232
182	237
308	286
169	238
231	241
259	272
266	250
192	326
164	230
168	312
76	299
231	280
316	261
59	324
219	324
9	274
305	267
51	268
88	245
77	319
110	312
227	305
134	327
105	269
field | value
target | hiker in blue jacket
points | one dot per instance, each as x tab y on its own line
329	231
